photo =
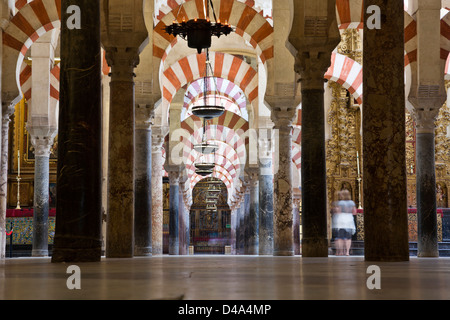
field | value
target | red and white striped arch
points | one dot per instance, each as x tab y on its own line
220	134
410	40
219	159
218	172
32	21
228	119
192	67
445	42
26	87
350	14
25	80
348	73
252	26
20	3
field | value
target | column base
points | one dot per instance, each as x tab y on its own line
76	255
283	253
268	252
39	253
314	248
143	251
386	258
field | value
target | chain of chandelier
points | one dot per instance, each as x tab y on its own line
198	33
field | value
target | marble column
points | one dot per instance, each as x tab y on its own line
265	198
42	146
143	182
182	223
157	191
238	226
282	218
240	239
174	202
246	213
296	221
384	169
120	211
311	64
7	111
253	216
427	235
233	229
427	95
79	178
314	184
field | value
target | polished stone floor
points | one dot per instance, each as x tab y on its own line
214	277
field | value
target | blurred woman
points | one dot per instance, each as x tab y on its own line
344	224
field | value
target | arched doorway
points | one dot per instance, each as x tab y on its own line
210	217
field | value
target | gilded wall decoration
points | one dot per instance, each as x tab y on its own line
21	150
343	147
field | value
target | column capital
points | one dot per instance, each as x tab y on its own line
426	110
283	110
144	115
7	111
311	66
122	61
175	173
253	176
425	120
42	139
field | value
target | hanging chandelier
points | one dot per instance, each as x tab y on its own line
205	168
207	110
205	147
198	32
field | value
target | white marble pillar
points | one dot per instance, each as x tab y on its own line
42	140
157	191
265	198
282	219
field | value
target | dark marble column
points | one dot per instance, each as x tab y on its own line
79	182
314	183
427	235
240	236
120	212
238	226
174	202
182	223
233	235
42	147
265	199
384	169
253	216
143	183
246	213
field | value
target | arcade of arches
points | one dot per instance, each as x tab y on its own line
98	139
